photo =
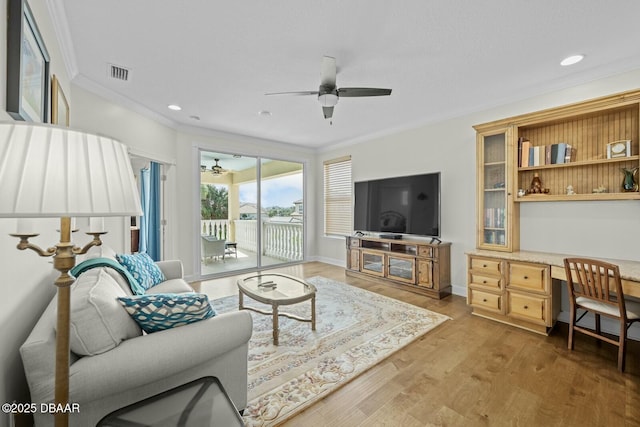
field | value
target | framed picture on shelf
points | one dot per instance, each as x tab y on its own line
27	66
59	104
620	148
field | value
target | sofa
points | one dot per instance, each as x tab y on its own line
118	363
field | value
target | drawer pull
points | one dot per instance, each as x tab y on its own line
526	307
526	277
484	281
484	265
484	300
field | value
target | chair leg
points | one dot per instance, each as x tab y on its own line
572	321
622	344
598	330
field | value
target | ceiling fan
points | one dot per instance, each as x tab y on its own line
215	169
328	93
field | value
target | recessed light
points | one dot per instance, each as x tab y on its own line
174	107
570	60
264	113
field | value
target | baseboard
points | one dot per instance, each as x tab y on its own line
337	262
460	290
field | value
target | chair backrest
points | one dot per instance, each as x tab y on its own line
596	280
212	246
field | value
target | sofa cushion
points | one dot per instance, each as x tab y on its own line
171	286
98	323
142	268
158	312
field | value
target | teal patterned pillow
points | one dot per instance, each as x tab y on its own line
142	268
157	312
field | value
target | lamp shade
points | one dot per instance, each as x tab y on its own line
49	171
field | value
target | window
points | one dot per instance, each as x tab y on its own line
337	196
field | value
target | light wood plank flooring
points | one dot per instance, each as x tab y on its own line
475	372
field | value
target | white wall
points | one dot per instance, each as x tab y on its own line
601	229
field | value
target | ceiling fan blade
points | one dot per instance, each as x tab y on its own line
309	92
328	112
362	91
328	72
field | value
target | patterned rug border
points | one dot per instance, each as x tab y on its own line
283	402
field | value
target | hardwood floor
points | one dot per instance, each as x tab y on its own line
475	372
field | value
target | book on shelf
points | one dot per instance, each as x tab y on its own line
562	148
554	154
541	155
570	154
524	161
547	154
536	156
494	217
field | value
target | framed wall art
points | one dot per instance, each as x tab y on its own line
59	104
27	66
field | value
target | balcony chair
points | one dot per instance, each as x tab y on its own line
212	247
595	286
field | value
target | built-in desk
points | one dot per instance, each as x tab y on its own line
520	288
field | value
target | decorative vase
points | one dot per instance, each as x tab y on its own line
629	182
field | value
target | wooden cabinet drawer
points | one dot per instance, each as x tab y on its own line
484	265
425	251
528	307
530	277
354	243
493	282
485	300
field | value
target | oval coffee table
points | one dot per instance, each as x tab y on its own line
275	290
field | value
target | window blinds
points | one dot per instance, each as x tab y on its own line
338	196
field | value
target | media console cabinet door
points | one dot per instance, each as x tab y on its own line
425	273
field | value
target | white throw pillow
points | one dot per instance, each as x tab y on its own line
98	321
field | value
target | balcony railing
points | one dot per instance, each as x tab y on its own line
281	240
215	227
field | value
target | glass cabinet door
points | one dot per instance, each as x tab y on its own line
495	191
373	263
401	268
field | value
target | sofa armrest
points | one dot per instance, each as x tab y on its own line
172	269
148	358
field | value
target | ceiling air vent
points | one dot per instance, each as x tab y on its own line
119	73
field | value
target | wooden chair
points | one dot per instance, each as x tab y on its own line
595	286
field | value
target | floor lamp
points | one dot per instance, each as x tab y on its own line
54	172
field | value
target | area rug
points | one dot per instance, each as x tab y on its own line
355	329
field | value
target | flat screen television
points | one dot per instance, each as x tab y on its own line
403	205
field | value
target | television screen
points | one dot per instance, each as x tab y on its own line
406	204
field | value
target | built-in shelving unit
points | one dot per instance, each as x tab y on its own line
520	293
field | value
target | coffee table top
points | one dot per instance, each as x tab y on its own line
287	289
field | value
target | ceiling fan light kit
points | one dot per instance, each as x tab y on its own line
215	169
329	94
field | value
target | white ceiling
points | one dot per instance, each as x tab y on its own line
442	58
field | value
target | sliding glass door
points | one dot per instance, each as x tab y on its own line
251	213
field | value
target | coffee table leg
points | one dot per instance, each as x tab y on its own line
313	313
275	324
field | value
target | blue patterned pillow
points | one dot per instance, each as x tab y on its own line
142	268
157	312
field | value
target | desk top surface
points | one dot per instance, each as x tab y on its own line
629	270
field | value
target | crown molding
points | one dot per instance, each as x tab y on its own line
61	29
